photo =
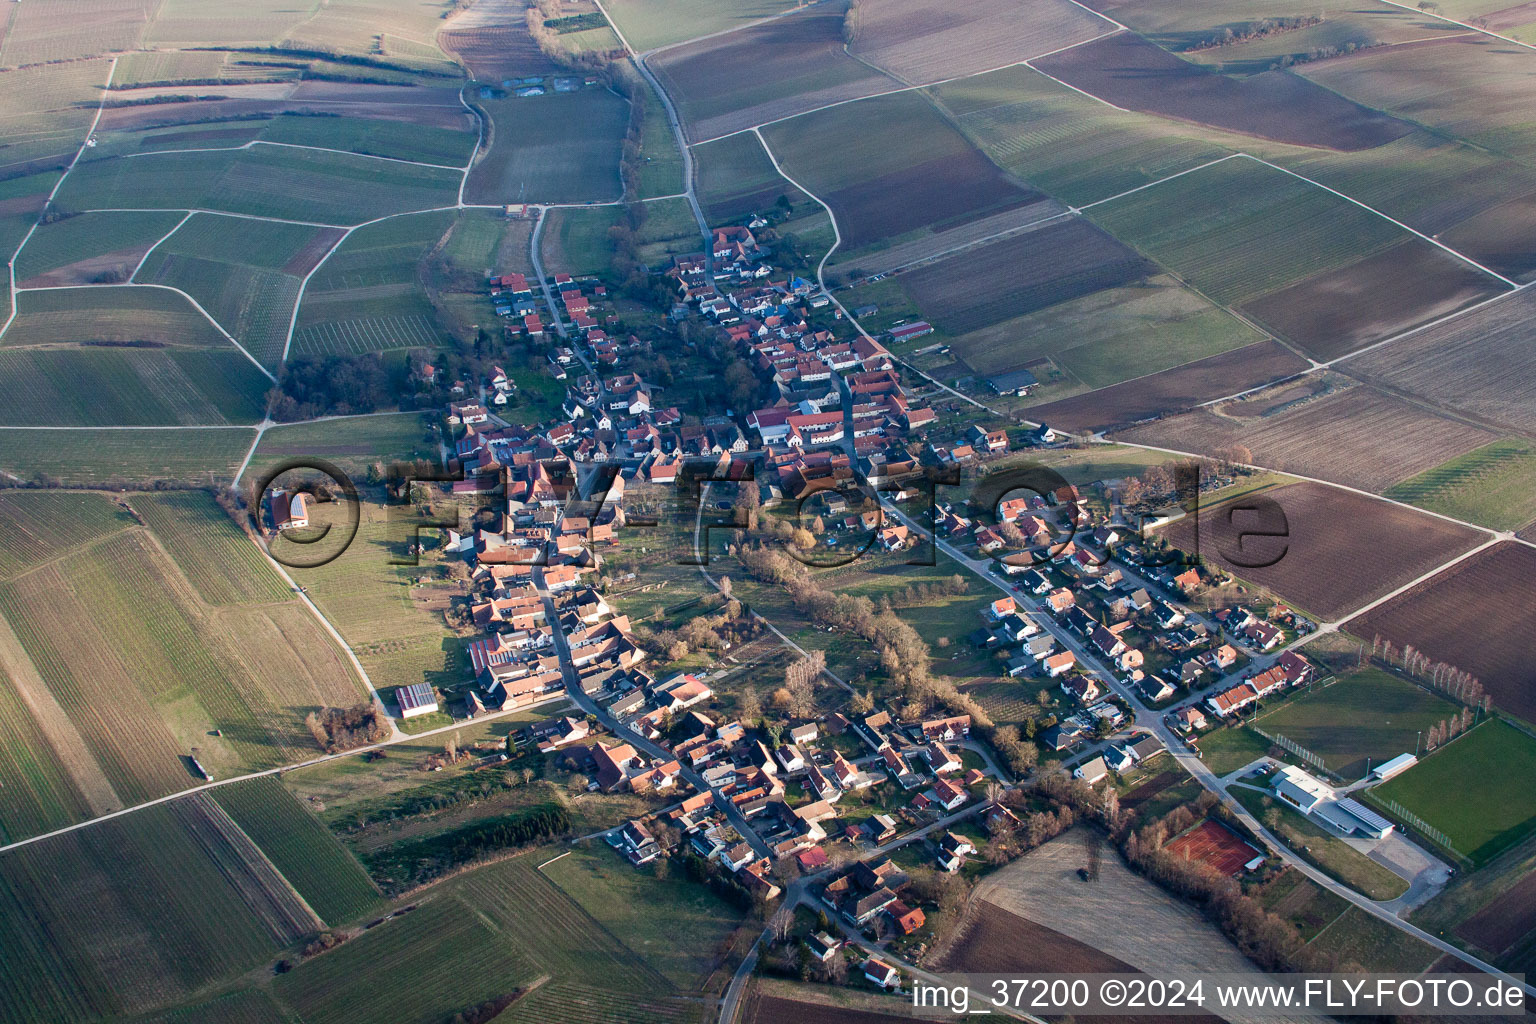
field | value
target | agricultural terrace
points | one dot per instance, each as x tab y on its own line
367	297
856	156
115	624
312	860
264	181
1361	720
648	24
910	41
130	386
1075	148
1481	363
244	272
353	444
1256	238
491	37
217	558
147	318
1467	617
92	248
1341	550
1175	389
1372	439
48	110
735	178
798	64
557	148
1475	789
1494	486
137	913
369	136
1128	71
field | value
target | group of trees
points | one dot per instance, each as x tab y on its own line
1255	30
1444	731
418	861
1456	683
331	385
344	728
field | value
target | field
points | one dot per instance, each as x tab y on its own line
1466	617
856	156
736	178
1505	920
576	241
89	387
1473	789
557	148
48	110
352	444
1361	938
1481	363
244	272
1130	72
91	248
1320	565
73	28
128	317
1365	718
143	671
1058	262
367	296
797	64
1494	486
136	913
1226	750
911	41
491	37
1372	439
312	860
375	116
1286	241
648	24
265	181
1213	844
1173	390
780	1010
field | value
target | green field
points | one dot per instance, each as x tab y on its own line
92	387
661	165
1494	486
1361	938
217	558
400	140
1227	750
1475	789
87	456
90	235
352	444
577	242
368	297
312	860
559	148
736	178
245	272
1240	230
48	109
41	525
124	318
648	24
265	181
1365	718
129	915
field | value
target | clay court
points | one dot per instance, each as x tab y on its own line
1216	846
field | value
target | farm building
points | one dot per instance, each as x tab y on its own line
416	699
907	332
1014	382
288	512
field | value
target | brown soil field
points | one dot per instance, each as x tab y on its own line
1355	436
120	263
857	157
919	42
1507	919
314	250
1343	550
1500	238
763	72
492	39
968	237
1336	312
1511	17
1054	263
1132	73
1482	363
777	1010
1172	390
1476	616
1149	788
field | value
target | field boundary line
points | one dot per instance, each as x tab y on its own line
1159	181
1442	567
298	300
1080	92
556	857
85	144
288	145
195	304
219	213
474	154
995	236
261	428
1463	24
1469	261
158	242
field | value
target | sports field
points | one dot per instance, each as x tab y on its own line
1494	485
1475	789
558	148
1365	718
